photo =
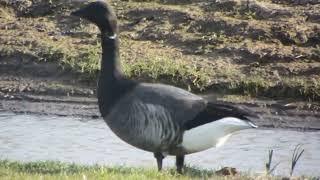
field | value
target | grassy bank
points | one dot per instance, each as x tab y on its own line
57	170
265	48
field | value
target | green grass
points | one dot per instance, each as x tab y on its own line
151	67
15	170
57	170
177	72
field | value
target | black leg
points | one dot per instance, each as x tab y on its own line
179	163
159	158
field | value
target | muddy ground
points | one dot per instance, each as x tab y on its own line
49	97
264	55
273	114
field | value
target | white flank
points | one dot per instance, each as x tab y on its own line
213	134
222	140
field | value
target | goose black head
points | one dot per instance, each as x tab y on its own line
101	14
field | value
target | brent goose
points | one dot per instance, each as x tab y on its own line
159	118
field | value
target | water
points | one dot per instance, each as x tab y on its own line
70	139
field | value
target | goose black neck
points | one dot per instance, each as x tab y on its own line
110	57
112	85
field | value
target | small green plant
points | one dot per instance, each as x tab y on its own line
270	170
297	153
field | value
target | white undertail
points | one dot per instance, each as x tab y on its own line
213	134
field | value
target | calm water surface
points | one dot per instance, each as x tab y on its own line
70	139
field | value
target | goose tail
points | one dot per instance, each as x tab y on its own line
213	134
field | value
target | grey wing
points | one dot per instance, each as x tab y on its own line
181	104
188	110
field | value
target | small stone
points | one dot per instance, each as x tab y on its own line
227	171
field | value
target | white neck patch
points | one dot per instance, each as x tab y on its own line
114	36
